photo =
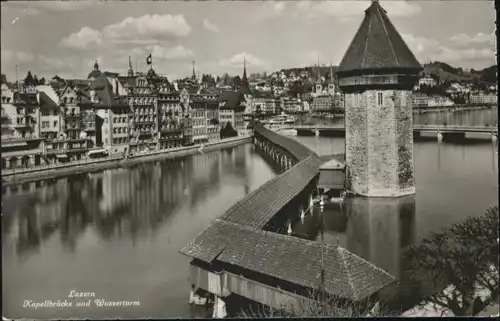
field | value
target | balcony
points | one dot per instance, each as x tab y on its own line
72	115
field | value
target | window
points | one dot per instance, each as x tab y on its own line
55	123
380	99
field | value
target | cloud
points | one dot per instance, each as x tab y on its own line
452	55
310	57
6	55
350	10
459	50
269	10
9	55
480	39
237	61
147	26
210	26
163	53
25	57
62	66
82	39
420	45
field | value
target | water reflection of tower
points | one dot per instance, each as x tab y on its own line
378	228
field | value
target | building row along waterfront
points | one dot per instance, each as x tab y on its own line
108	113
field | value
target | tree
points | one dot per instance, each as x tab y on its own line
218	80
237	82
42	81
465	257
4	79
29	79
36	82
311	306
227	80
228	131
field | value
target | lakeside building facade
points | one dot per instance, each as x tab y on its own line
481	98
73	119
232	106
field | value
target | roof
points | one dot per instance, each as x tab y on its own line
232	99
295	148
288	258
263	94
255	210
24	98
325	158
46	102
104	92
245	87
377	45
333	164
94	74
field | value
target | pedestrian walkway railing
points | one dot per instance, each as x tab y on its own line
111	158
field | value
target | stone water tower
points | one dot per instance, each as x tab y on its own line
377	75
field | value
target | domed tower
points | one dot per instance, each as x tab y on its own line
94	73
377	75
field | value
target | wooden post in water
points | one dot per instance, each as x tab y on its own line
322	273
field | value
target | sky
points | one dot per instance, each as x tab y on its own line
66	38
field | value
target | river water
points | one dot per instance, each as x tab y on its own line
118	233
454	181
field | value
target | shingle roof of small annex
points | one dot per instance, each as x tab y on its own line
377	45
288	258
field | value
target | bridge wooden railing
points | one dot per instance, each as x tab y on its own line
257	208
296	149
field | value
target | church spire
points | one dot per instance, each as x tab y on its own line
245	86
244	78
331	72
130	70
318	71
96	66
194	72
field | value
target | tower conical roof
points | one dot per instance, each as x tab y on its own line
377	45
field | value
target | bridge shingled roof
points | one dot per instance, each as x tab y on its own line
262	204
237	237
377	45
288	258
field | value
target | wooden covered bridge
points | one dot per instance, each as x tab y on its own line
242	253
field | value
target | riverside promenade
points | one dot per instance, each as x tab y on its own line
35	173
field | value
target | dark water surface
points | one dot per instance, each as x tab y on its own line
118	234
454	181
